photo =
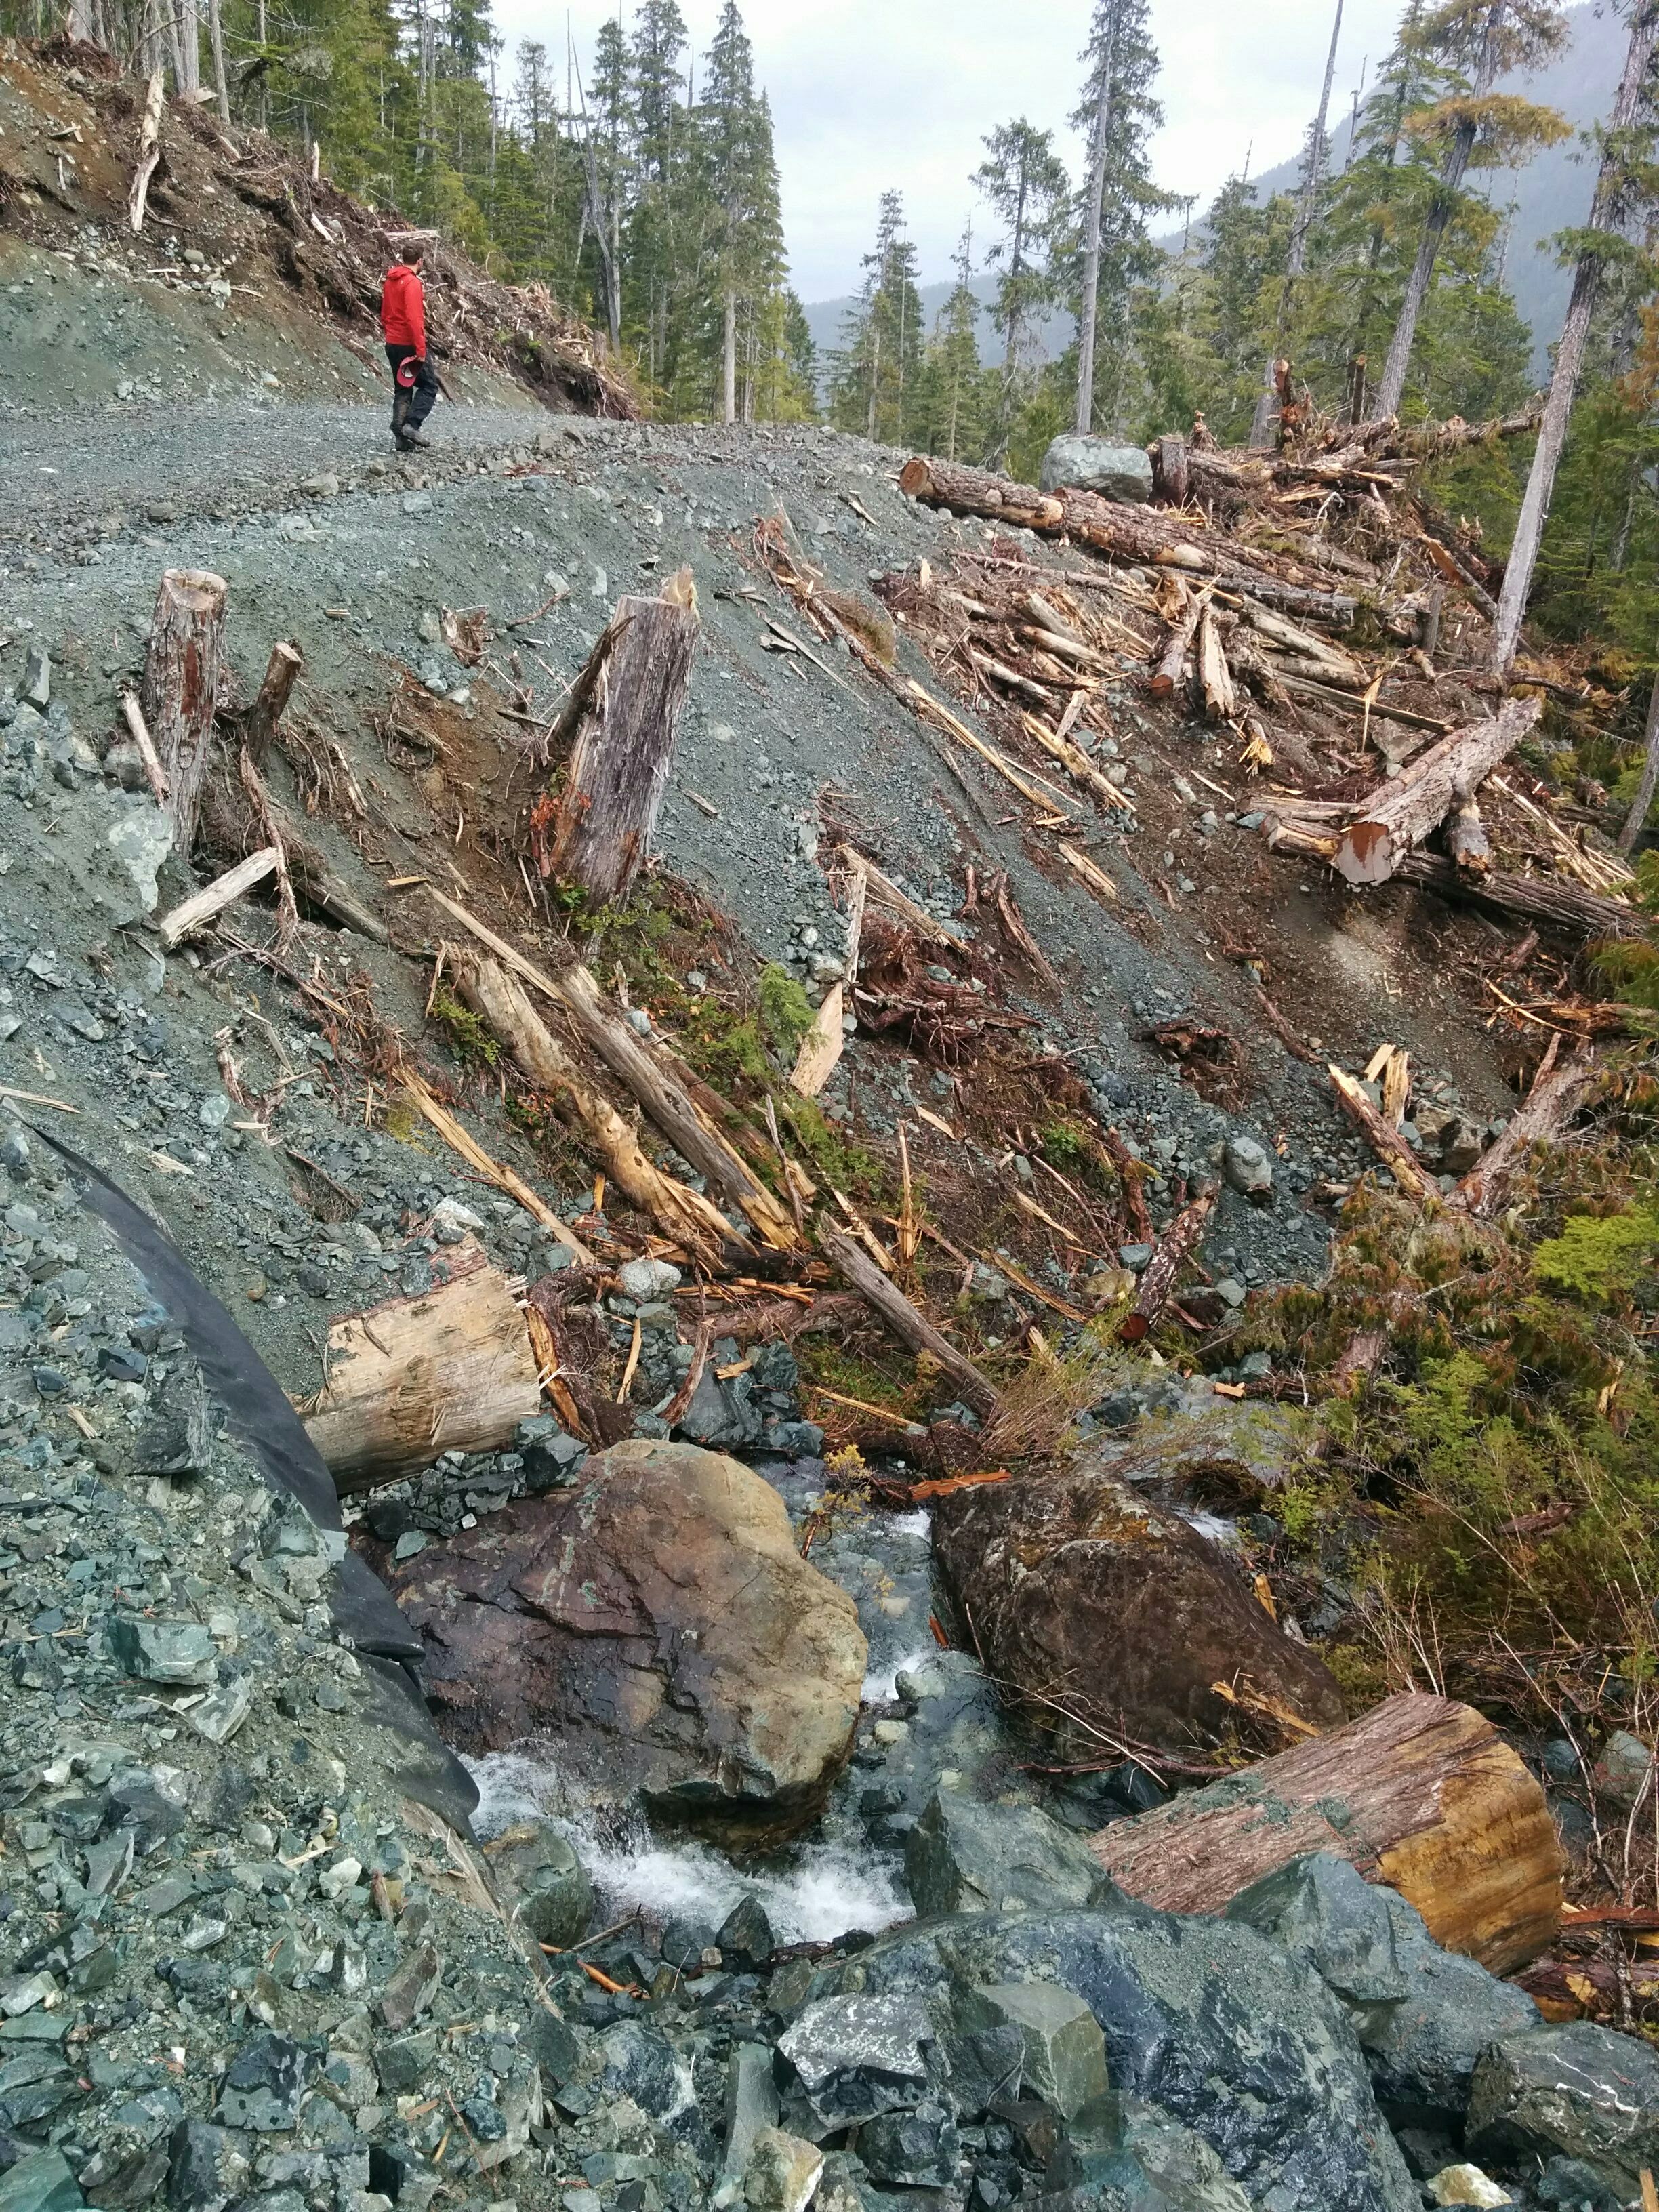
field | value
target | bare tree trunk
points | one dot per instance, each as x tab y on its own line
1606	215
79	20
1388	392
729	362
1088	317
1644	790
190	48
1306	205
216	36
625	742
149	151
181	689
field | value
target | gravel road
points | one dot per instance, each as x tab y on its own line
65	478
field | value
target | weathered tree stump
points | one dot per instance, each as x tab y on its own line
259	723
182	671
633	691
1422	1794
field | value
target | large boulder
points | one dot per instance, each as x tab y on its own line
1576	2092
965	1857
658	1622
1078	1586
1105	466
1424	2016
1217	2027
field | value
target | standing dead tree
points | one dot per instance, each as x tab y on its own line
624	711
1307	204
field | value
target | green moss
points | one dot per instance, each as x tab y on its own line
836	1160
470	1039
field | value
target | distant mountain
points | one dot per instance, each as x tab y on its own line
1552	193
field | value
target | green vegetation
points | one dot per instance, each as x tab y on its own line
469	1038
785	1011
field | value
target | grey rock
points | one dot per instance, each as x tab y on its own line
966	1856
1422	2015
1570	2184
1063	2050
140	840
35	690
917	2149
1576	2092
208	2167
223	1710
412	1989
177	1651
1163	2166
1105	466
856	2056
1221	2029
417	502
264	2084
751	2102
546	1885
646	1280
639	2062
552	1459
403	2062
1248	1166
744	1939
325	485
1625	1768
41	2182
783	2172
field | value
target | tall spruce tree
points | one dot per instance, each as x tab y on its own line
1118	113
1025	182
874	384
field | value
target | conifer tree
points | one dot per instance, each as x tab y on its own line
1119	113
1025	182
1475	41
874	385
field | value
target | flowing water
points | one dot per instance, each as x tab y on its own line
834	1879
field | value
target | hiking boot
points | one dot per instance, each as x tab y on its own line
411	441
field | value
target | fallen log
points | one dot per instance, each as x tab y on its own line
1172	677
133	715
461	1139
655	1086
182	669
1421	1794
679	1212
1338	667
1545	899
1402	814
195	912
449	1371
227	823
1157	1278
911	1327
624	741
1387	1144
1559	1090
1125	533
1215	681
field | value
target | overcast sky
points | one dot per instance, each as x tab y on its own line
873	94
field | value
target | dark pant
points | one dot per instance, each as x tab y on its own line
410	409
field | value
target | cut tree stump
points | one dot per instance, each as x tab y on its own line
182	670
1421	1794
450	1371
1400	816
624	742
259	723
680	1212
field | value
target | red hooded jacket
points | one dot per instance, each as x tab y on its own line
403	307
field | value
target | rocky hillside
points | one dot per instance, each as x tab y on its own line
621	1513
248	276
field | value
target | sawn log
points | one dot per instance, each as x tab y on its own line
1422	1794
450	1371
1400	815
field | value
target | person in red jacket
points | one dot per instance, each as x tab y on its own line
403	325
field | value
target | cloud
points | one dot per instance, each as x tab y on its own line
872	94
